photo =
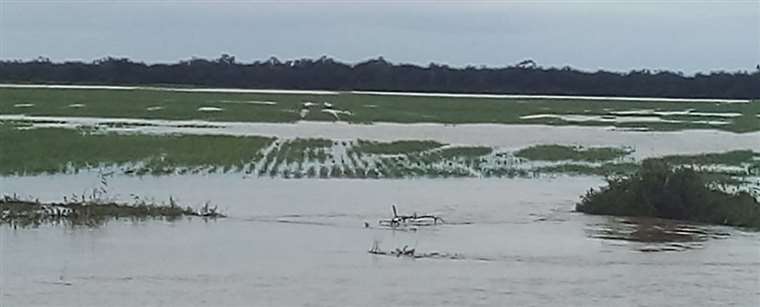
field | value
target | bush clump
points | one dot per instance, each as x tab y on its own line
659	190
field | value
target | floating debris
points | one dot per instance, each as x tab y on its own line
23	105
208	211
412	253
410	220
77	105
398	252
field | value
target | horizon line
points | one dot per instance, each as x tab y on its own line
524	64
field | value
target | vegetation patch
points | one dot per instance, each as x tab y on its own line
92	213
658	189
574	153
299	150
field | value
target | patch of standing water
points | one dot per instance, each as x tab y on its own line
687	112
259	102
336	113
210	109
624	119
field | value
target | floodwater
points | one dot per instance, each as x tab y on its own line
513	242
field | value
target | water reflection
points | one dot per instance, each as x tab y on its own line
654	234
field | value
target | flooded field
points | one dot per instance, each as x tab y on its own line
504	240
304	177
648	143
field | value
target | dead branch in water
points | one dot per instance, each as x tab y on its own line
410	220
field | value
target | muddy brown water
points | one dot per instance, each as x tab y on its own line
303	242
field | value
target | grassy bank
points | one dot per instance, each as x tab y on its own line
363	108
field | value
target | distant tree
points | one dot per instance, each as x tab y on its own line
527	64
226	59
526	77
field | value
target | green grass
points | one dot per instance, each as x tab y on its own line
574	153
179	105
52	150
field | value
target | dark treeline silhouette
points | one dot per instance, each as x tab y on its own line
381	75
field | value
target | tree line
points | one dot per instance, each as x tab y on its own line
380	75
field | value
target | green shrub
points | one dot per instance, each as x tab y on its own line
659	190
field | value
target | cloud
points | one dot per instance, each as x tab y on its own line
611	34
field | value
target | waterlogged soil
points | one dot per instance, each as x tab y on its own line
303	242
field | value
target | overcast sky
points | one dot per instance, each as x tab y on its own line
684	36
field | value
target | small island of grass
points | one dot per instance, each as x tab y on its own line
659	190
554	152
23	213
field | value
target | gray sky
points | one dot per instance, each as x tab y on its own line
684	36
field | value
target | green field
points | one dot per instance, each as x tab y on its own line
363	108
